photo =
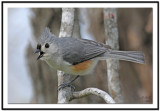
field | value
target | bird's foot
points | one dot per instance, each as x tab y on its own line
68	84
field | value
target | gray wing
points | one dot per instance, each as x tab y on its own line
76	51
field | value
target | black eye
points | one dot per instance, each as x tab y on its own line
46	45
38	46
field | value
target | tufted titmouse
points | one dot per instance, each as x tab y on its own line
78	56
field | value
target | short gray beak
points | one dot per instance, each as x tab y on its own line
37	51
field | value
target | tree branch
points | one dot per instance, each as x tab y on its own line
65	31
65	94
107	98
111	32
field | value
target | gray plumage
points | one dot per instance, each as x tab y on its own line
75	50
46	37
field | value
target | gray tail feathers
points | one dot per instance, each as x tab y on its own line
133	56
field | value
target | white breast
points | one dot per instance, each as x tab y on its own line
58	64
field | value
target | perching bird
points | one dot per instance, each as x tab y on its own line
78	56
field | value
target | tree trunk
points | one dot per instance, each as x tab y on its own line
111	31
66	29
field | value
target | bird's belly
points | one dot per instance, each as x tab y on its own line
83	68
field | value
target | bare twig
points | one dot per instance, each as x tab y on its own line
111	32
65	31
94	91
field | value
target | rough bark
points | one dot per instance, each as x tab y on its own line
107	98
66	29
65	94
111	31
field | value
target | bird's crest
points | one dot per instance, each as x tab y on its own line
46	36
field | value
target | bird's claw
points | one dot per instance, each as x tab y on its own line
65	85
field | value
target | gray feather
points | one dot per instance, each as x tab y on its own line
133	56
46	36
76	51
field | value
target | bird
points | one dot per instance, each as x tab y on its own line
78	56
